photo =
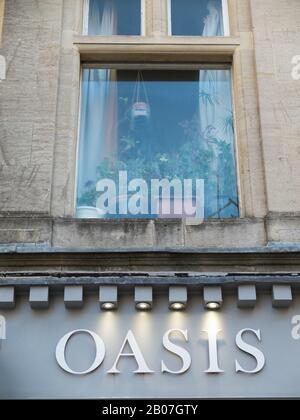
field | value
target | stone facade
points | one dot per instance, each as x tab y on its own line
39	107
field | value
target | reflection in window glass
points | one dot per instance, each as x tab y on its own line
114	17
142	127
197	17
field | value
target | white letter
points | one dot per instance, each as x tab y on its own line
296	69
108	188
190	210
296	329
2	68
61	348
200	199
253	351
179	351
123	197
136	353
166	186
2	328
213	351
138	202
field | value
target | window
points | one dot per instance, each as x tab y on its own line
198	17
113	17
151	141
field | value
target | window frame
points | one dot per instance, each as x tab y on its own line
226	21
85	20
162	66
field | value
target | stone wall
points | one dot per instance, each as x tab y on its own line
28	105
2	5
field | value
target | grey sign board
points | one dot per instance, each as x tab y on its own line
29	365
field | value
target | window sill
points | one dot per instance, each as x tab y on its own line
165	49
162	233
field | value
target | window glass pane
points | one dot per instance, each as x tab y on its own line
141	127
197	17
114	17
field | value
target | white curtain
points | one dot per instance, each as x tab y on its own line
98	106
215	114
213	24
102	18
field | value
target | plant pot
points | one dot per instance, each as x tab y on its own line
140	109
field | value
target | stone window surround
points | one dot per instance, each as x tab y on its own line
141	52
156	48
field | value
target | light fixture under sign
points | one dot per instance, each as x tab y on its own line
143	297
143	306
177	298
213	306
177	306
108	297
108	306
212	296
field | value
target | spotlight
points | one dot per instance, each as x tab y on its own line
108	298
108	306
212	297
143	298
177	306
213	306
177	298
143	306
